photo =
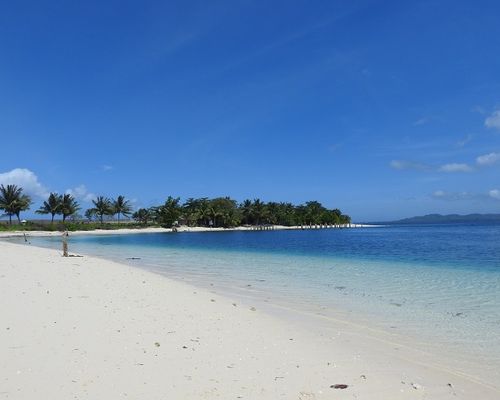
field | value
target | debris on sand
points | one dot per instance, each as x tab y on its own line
339	386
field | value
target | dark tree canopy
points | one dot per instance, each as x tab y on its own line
13	201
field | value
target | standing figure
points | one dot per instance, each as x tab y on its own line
65	243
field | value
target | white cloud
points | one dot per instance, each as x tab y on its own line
81	193
488	159
107	167
26	179
493	121
494	193
455	167
402	164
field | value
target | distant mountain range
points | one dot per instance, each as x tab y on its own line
448	219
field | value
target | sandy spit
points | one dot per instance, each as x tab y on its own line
126	231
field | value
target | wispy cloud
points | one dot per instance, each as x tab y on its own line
478	109
493	121
452	196
464	141
455	167
81	193
421	121
107	167
408	165
495	194
334	147
404	164
488	159
292	37
26	179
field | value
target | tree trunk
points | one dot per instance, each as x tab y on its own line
52	221
10	219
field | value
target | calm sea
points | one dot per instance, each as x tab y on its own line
438	284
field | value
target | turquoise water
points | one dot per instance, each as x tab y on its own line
437	284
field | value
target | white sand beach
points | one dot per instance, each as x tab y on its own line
125	231
86	328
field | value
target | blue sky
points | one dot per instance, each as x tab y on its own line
384	109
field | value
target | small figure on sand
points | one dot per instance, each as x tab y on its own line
65	243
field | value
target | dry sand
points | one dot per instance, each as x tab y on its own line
85	328
125	231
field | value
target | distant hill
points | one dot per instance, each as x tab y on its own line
449	219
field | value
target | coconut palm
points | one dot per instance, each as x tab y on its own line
69	206
247	211
122	207
89	214
142	215
191	211
51	206
314	209
13	201
168	213
102	206
259	211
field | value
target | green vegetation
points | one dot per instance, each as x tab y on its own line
102	206
57	204
69	206
218	212
51	206
69	225
122	207
13	201
226	212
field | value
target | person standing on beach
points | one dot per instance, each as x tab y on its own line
65	243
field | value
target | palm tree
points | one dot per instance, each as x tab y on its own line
69	206
90	214
191	210
122	206
102	206
259	211
273	210
314	209
51	206
247	211
13	201
168	213
142	215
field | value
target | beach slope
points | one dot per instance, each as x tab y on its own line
85	328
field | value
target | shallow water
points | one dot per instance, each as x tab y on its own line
437	284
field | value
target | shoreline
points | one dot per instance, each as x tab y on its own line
182	229
96	303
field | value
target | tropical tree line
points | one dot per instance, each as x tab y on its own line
226	212
106	207
13	201
217	212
